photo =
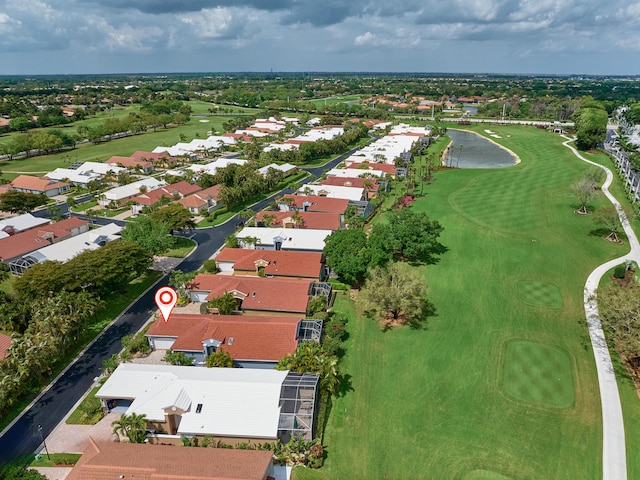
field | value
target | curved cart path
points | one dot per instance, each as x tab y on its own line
614	460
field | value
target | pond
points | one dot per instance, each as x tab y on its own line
470	150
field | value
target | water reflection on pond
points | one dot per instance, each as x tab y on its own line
470	150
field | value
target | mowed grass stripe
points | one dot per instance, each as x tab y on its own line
429	403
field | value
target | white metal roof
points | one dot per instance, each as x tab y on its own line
101	168
73	176
353	173
284	168
23	222
132	189
213	167
293	238
238	402
67	249
334	191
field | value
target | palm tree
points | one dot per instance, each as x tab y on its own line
298	220
131	426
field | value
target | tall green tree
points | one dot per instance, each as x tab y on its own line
409	235
309	357
132	427
348	254
175	216
21	202
220	358
148	233
395	295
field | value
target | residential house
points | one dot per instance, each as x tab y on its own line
21	223
252	341
39	185
286	169
143	166
353	194
159	159
229	404
15	246
202	202
309	220
67	249
171	192
314	203
76	178
374	168
115	461
255	295
212	167
121	195
370	185
271	263
297	239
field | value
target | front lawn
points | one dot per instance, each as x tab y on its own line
181	247
447	401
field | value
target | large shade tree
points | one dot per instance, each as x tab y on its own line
395	295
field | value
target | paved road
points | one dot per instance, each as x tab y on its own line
614	461
22	437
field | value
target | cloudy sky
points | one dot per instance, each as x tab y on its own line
494	36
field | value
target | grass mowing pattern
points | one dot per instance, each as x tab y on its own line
539	374
540	294
431	403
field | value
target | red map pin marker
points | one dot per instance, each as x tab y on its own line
166	299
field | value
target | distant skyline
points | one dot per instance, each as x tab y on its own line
459	36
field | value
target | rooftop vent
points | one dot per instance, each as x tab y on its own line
230	341
199	408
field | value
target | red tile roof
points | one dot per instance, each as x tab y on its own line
280	263
199	199
320	204
181	188
38	184
311	220
114	461
25	242
5	343
270	294
244	337
151	156
129	162
352	182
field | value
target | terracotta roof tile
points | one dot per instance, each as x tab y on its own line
129	162
139	155
311	220
31	240
154	196
40	184
5	343
320	204
280	263
113	461
253	337
270	294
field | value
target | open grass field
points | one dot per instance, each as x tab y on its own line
121	146
334	100
501	384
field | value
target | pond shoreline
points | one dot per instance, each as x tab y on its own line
443	158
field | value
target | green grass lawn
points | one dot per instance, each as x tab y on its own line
89	411
181	247
449	401
121	146
54	459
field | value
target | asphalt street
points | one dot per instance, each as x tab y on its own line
23	437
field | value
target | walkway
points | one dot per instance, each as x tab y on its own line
614	460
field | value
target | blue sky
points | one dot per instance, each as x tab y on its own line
492	36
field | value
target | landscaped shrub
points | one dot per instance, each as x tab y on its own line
620	271
177	358
210	266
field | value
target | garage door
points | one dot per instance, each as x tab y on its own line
162	343
199	296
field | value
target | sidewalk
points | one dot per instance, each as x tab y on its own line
614	460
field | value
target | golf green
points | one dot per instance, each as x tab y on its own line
539	374
540	294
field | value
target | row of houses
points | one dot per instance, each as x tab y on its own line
274	275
